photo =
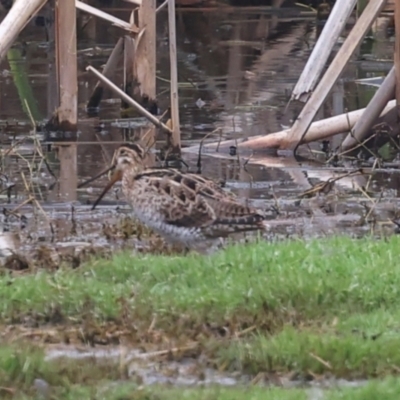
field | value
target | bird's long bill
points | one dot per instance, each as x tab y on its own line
96	177
117	176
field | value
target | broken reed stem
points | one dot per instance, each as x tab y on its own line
321	360
160	7
165	352
129	100
201	147
27	201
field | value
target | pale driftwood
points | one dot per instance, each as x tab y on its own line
101	14
129	100
20	14
176	130
310	109
108	70
383	95
67	68
319	56
318	130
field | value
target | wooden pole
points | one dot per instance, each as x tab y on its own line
144	59
176	130
397	53
355	37
20	14
383	95
66	117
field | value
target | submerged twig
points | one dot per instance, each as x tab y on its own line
201	148
326	186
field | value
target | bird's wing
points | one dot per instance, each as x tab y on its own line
175	199
189	200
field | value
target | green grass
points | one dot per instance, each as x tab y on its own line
329	305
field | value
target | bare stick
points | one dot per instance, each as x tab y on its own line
148	132
129	100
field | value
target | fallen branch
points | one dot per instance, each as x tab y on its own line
319	130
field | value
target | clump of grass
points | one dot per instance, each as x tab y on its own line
334	298
21	364
350	356
277	283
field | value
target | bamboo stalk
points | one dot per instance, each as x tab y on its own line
129	100
176	130
317	98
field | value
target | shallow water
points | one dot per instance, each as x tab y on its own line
236	72
155	368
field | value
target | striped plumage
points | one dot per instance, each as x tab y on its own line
182	207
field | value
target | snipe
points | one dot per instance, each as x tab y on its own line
184	208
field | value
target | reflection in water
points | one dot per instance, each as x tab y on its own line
68	178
